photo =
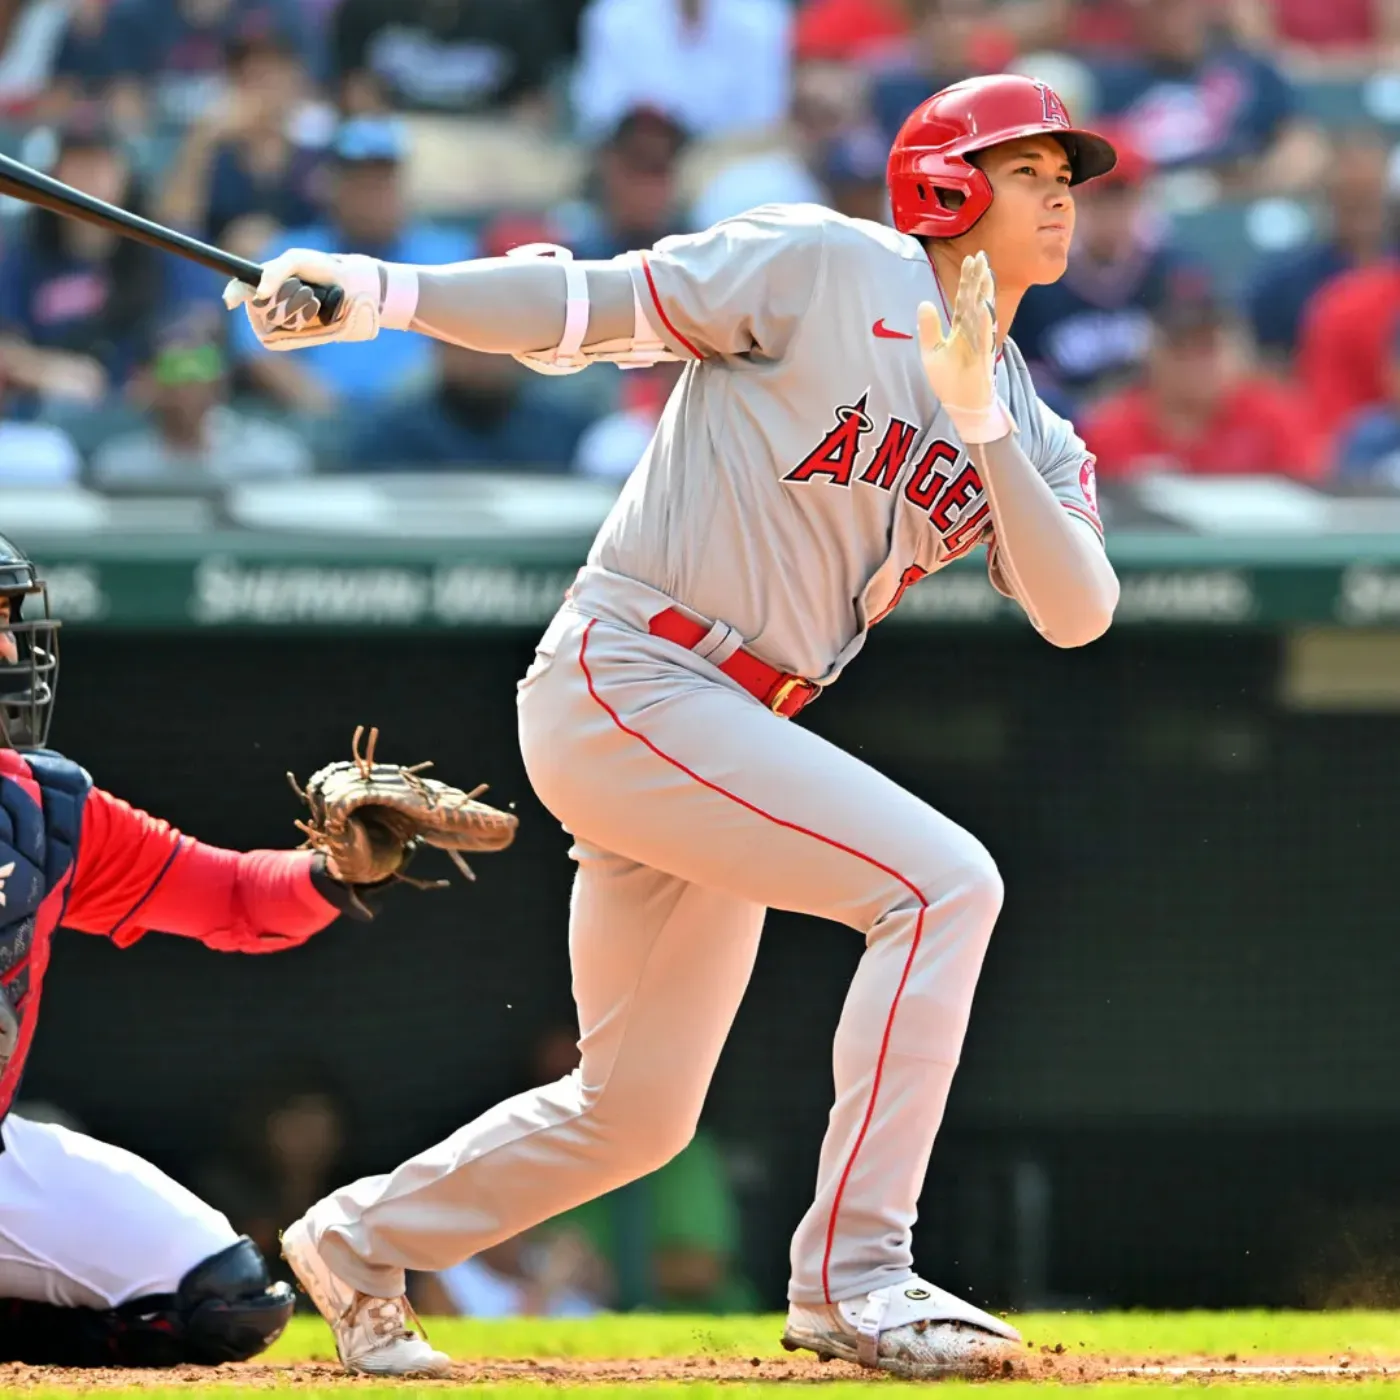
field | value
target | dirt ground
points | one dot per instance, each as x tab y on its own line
1045	1364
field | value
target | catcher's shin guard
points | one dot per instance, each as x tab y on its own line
225	1309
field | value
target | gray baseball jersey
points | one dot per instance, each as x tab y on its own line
805	435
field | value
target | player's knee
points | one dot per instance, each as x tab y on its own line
979	884
642	1136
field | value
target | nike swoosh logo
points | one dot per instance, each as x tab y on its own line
885	333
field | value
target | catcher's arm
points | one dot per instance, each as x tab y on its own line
135	873
368	819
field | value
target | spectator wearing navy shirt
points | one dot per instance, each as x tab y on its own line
242	174
486	412
1089	333
634	197
1189	99
162	61
1359	231
366	214
81	300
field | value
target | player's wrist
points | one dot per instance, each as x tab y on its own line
976	426
400	296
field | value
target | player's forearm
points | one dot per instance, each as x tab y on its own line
517	305
237	901
1055	567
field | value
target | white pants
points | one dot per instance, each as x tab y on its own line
86	1225
693	811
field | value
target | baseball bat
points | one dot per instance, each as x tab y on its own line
34	187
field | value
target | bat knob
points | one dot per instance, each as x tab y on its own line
331	299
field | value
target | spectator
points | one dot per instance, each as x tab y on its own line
485	411
867	32
367	215
635	199
242	175
1368	450
669	1241
950	40
193	438
81	298
828	100
718	66
1343	349
286	1149
853	171
32	453
613	445
1089	332
1188	99
162	61
1199	410
35	36
545	1272
444	55
1360	233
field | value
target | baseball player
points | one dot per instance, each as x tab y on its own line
104	1260
850	418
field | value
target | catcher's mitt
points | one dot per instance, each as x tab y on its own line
368	818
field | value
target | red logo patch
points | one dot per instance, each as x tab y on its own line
883	332
1053	108
1088	485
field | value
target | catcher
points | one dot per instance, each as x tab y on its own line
104	1260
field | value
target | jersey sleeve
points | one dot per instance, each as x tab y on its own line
136	873
1067	466
739	288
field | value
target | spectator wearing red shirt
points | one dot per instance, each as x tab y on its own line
1199	411
1345	344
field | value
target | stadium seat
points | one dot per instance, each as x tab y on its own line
1231	236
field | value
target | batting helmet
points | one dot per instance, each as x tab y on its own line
930	153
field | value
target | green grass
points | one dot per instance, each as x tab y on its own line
1319	1338
1321	1335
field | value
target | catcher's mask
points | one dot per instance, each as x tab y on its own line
28	652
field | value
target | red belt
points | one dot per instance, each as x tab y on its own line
783	693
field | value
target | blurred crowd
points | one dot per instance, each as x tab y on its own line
1232	303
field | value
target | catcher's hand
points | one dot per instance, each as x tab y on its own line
369	818
961	366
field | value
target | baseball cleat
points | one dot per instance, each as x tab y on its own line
373	1336
912	1330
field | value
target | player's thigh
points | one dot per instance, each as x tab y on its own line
86	1224
659	969
695	779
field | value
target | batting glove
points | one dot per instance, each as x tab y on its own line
961	366
284	309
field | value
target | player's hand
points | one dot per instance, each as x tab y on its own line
961	366
285	310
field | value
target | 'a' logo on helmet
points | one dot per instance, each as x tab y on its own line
1053	108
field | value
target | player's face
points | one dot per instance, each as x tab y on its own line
9	648
1027	232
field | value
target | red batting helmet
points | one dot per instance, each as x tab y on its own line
930	152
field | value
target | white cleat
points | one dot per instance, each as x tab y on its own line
912	1330
373	1336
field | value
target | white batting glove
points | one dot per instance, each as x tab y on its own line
285	310
961	367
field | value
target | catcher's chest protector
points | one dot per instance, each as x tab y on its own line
41	811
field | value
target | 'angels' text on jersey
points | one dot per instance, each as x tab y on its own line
942	482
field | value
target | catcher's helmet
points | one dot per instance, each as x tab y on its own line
28	684
930	152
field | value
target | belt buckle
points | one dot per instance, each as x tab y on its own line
784	690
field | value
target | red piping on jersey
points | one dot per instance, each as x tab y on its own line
661	311
835	845
1084	514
